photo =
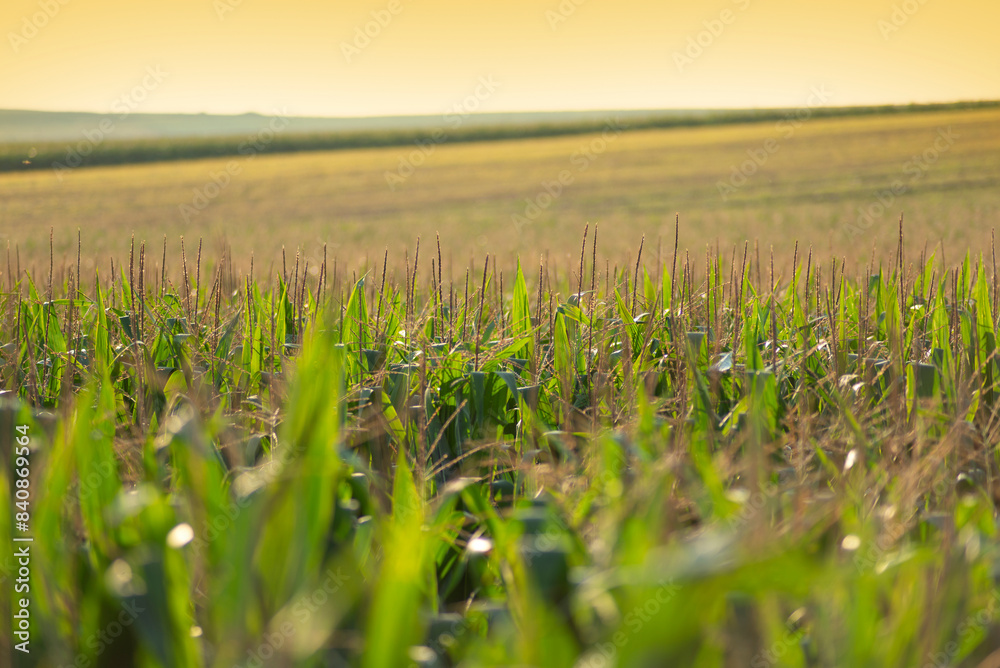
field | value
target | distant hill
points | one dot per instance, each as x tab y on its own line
21	126
64	140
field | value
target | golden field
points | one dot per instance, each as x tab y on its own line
805	179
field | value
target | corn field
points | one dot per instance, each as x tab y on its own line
686	460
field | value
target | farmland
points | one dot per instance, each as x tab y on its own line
814	175
355	420
693	462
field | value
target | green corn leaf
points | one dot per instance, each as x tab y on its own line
394	624
520	315
564	366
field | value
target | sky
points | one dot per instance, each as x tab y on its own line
389	57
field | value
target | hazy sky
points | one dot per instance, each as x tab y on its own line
311	57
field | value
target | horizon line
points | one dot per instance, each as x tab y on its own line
652	110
